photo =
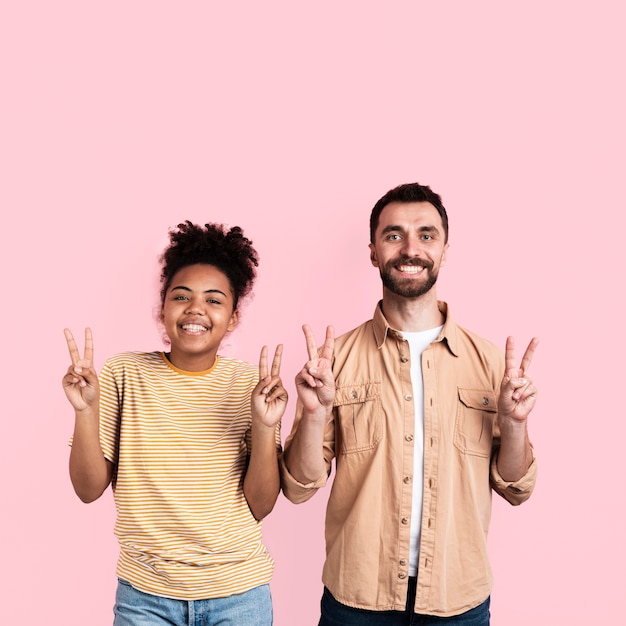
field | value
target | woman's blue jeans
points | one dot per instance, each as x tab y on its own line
135	608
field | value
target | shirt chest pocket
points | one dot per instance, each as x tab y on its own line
476	412
358	412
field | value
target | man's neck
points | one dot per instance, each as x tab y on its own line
412	314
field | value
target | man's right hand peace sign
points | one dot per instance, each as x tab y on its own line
315	382
80	383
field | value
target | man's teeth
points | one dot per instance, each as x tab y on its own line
411	269
193	328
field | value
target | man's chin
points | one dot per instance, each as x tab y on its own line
409	289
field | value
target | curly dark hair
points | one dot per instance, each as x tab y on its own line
226	249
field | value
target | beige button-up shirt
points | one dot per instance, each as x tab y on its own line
370	436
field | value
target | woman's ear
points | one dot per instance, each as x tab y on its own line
234	320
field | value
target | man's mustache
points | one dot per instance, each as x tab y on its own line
406	260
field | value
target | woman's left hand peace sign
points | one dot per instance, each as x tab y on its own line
269	397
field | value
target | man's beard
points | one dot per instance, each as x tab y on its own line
408	287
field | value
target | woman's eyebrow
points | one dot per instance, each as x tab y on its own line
183	288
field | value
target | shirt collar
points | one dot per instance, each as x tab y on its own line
448	333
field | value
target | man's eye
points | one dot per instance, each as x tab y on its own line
427	237
394	237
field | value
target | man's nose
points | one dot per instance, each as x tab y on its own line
412	246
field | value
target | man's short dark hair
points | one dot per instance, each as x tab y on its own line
410	192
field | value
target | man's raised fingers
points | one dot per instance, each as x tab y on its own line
509	354
329	343
311	346
528	355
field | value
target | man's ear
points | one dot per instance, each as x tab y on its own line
444	256
373	257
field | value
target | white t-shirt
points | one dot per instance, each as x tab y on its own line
418	342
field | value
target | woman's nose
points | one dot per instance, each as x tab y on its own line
195	305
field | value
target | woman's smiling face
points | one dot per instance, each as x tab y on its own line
198	311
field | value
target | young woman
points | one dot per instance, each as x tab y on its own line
189	441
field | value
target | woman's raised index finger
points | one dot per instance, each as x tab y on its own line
263	363
278	355
88	345
71	345
311	346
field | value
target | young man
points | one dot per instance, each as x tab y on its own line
423	419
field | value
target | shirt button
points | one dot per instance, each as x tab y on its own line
485	401
409	437
402	561
405	520
404	359
407	480
354	395
402	575
408	397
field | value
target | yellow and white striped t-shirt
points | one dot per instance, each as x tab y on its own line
179	441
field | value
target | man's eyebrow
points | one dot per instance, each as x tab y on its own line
390	229
422	229
428	229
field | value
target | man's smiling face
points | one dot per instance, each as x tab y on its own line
409	247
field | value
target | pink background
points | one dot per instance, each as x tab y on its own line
121	119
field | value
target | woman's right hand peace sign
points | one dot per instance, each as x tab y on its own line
80	383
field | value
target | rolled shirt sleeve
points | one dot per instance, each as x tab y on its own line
515	492
296	491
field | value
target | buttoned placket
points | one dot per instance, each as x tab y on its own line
429	502
408	436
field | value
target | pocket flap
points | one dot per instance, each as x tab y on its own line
351	394
481	399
